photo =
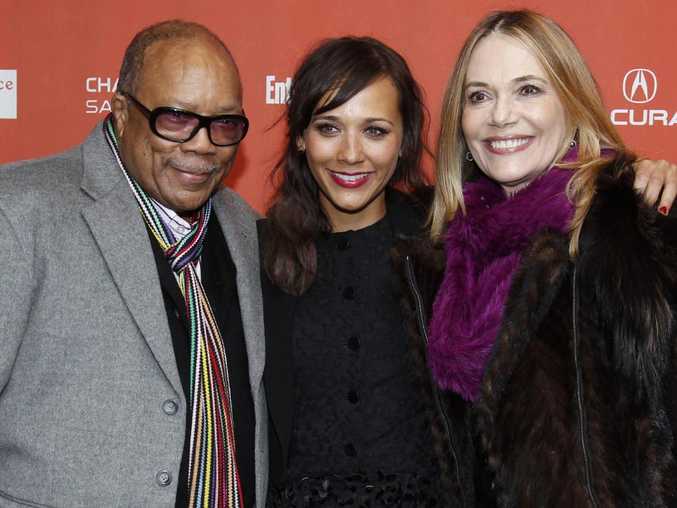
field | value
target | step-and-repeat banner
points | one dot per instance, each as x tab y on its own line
59	61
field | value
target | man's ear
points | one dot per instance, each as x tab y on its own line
120	110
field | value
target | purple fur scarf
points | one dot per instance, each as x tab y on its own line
483	249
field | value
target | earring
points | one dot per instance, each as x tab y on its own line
468	156
573	142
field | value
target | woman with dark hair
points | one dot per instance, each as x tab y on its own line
349	422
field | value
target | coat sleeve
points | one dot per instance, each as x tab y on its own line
15	295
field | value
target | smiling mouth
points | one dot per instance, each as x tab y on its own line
192	177
349	180
507	145
195	171
196	166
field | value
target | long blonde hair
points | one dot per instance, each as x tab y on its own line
577	90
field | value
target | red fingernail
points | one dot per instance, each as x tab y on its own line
663	210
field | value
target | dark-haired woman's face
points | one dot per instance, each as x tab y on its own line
352	152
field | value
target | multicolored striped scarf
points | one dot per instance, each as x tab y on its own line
213	478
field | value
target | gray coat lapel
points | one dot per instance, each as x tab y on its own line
117	226
238	223
239	229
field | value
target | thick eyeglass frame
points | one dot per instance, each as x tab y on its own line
203	121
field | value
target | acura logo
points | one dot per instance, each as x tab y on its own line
640	86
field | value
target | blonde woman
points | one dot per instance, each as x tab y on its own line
555	314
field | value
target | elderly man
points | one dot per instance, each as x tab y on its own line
131	337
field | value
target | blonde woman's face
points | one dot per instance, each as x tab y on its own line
513	120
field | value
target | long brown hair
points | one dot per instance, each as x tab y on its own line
339	68
586	116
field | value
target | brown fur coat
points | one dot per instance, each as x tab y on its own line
578	404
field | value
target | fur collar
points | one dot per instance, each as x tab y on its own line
483	248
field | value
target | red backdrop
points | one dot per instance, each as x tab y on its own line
59	61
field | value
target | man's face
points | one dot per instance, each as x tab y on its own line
194	75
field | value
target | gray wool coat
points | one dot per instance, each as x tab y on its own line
86	356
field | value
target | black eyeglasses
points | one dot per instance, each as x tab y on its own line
178	125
